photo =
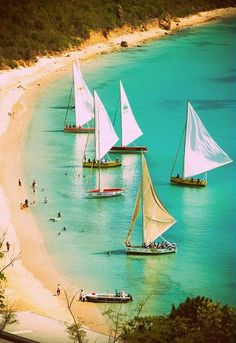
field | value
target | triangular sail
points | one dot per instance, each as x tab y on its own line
202	153
105	134
129	126
84	104
156	219
135	214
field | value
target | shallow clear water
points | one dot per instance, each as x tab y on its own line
196	64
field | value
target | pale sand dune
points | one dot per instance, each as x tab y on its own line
32	281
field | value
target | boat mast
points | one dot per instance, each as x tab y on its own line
142	200
96	124
121	128
69	102
185	129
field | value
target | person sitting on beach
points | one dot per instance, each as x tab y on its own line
59	214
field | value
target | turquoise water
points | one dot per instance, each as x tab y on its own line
196	64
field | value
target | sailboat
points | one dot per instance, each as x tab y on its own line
201	153
83	104
105	137
155	220
130	130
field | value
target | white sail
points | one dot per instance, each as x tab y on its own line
105	134
202	153
84	104
129	126
156	219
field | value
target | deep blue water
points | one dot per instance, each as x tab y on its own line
196	64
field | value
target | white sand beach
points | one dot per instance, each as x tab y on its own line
33	279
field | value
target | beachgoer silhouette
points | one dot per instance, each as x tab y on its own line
58	290
19	183
8	246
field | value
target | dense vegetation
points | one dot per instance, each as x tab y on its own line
31	28
197	320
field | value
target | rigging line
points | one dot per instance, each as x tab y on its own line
68	105
86	146
181	139
116	111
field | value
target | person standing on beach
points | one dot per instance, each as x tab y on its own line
33	185
8	246
19	183
58	290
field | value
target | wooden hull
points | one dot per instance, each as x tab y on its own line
77	129
128	149
188	182
107	298
105	193
139	250
109	164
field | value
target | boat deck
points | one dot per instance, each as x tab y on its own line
95	164
188	181
105	193
139	250
107	298
77	129
128	149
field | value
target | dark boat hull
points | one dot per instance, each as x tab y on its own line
128	149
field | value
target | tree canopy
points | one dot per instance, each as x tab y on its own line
33	28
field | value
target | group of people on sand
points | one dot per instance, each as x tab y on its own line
26	202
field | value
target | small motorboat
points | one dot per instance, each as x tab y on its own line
117	297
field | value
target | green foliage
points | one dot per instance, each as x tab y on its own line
32	28
76	332
197	320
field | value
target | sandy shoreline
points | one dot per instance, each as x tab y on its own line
33	279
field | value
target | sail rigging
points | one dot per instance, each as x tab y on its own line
84	103
202	153
156	218
105	137
105	134
129	126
